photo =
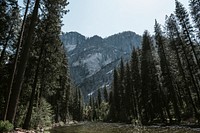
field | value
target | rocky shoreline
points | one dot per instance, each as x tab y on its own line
44	129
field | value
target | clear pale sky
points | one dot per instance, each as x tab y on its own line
107	17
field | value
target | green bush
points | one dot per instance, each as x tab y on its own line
6	126
42	116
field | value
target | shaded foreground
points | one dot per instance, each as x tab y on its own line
92	127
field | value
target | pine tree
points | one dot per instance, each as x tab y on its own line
90	109
188	35
181	55
112	111
19	42
150	94
48	31
90	101
136	82
195	12
34	87
9	21
12	108
66	87
99	99
94	111
122	96
116	96
146	59
129	100
77	106
166	73
105	94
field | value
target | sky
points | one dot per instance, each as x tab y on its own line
108	17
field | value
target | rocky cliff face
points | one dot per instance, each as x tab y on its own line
93	59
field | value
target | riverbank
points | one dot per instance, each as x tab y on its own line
46	129
100	127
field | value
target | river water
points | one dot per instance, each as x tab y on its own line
92	127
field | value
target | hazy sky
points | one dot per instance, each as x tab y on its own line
107	17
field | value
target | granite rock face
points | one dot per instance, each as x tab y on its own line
92	60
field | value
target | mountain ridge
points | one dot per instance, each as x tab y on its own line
92	59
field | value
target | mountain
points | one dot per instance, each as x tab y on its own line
93	59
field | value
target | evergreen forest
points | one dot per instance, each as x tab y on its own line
159	85
35	87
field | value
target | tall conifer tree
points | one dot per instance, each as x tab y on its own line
188	33
12	108
165	69
195	12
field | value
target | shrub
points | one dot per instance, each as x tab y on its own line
42	116
6	126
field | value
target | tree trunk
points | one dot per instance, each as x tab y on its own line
14	99
15	61
29	113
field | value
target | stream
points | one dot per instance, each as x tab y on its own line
98	127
